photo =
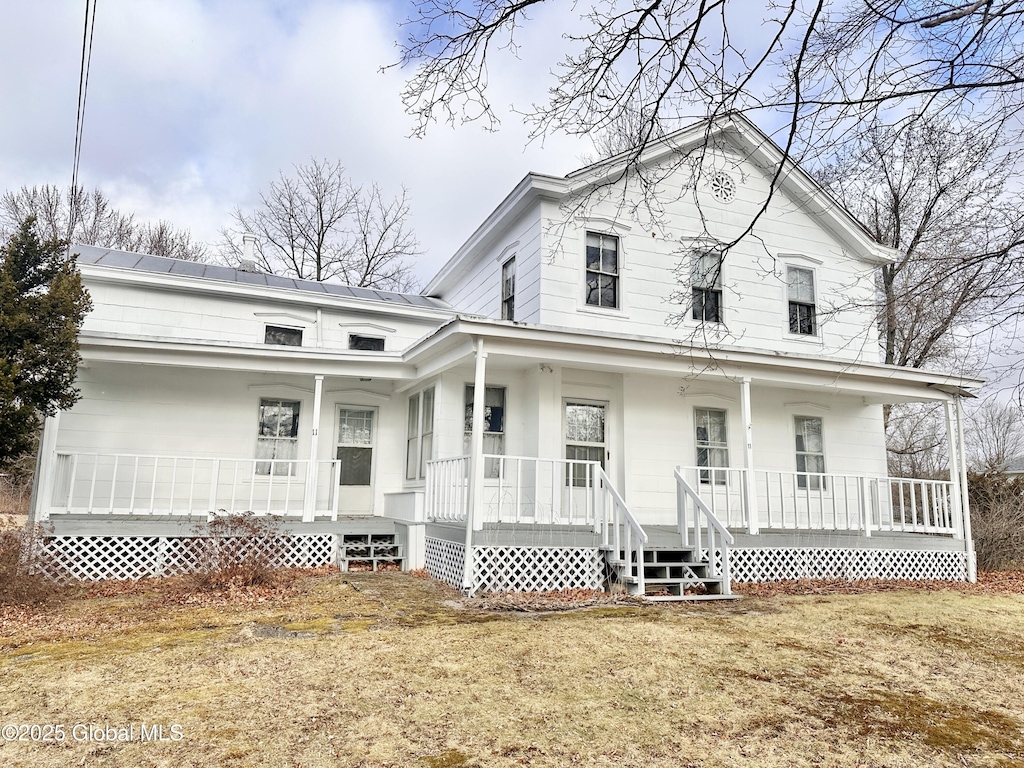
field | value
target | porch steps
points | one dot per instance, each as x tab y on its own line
369	552
670	574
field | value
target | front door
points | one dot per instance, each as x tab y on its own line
584	441
357	435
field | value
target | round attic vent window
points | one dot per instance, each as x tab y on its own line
723	187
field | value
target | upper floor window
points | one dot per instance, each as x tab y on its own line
365	343
706	280
508	289
802	310
277	443
810	453
287	337
602	270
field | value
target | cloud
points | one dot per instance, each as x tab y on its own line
194	106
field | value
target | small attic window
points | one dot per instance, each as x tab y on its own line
365	343
285	337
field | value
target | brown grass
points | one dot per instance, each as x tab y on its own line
392	670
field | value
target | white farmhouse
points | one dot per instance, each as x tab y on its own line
586	386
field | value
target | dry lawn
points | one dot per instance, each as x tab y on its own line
391	670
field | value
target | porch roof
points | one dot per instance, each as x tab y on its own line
519	345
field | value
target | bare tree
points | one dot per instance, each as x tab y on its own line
994	436
943	197
317	225
815	66
88	218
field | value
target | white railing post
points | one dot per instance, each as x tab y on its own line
474	515
865	507
309	499
749	488
214	483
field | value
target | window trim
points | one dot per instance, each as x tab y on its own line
809	481
362	336
268	327
619	299
419	475
815	333
715	288
714	474
508	299
293	469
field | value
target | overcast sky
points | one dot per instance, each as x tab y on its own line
194	106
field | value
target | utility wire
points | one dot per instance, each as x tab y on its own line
83	91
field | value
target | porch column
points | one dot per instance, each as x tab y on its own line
474	515
749	484
45	475
972	562
309	500
953	450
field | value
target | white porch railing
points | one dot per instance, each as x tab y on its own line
516	489
701	529
447	489
827	502
620	531
139	484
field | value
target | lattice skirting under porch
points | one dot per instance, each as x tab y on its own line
92	558
536	569
772	564
445	560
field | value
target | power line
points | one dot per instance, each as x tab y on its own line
83	91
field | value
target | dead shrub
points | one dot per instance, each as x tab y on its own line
239	550
25	578
997	520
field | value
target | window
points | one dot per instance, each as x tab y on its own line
286	337
712	445
584	439
810	453
277	443
706	279
365	343
420	442
508	290
800	282
602	270
355	445
494	425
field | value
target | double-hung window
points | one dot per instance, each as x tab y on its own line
802	310
602	270
494	425
810	453
508	290
420	442
706	280
712	445
277	442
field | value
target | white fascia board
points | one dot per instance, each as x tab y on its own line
562	345
97	347
198	285
526	192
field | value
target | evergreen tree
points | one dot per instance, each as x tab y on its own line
42	305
